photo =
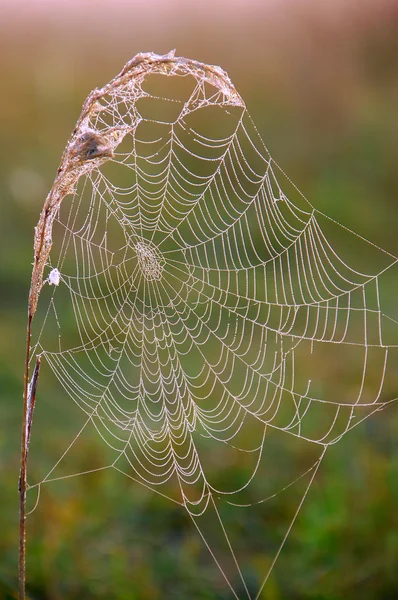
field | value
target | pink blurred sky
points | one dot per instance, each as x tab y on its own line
165	19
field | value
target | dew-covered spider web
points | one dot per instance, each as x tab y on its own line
200	312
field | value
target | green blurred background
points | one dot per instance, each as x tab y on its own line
320	80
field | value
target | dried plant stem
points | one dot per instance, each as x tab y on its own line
23	472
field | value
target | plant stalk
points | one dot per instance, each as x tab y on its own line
23	472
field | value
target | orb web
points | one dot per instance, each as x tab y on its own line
205	313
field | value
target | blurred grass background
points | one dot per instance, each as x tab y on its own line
320	80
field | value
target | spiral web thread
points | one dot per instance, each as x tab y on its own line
204	306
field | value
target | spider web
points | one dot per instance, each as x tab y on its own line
206	312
